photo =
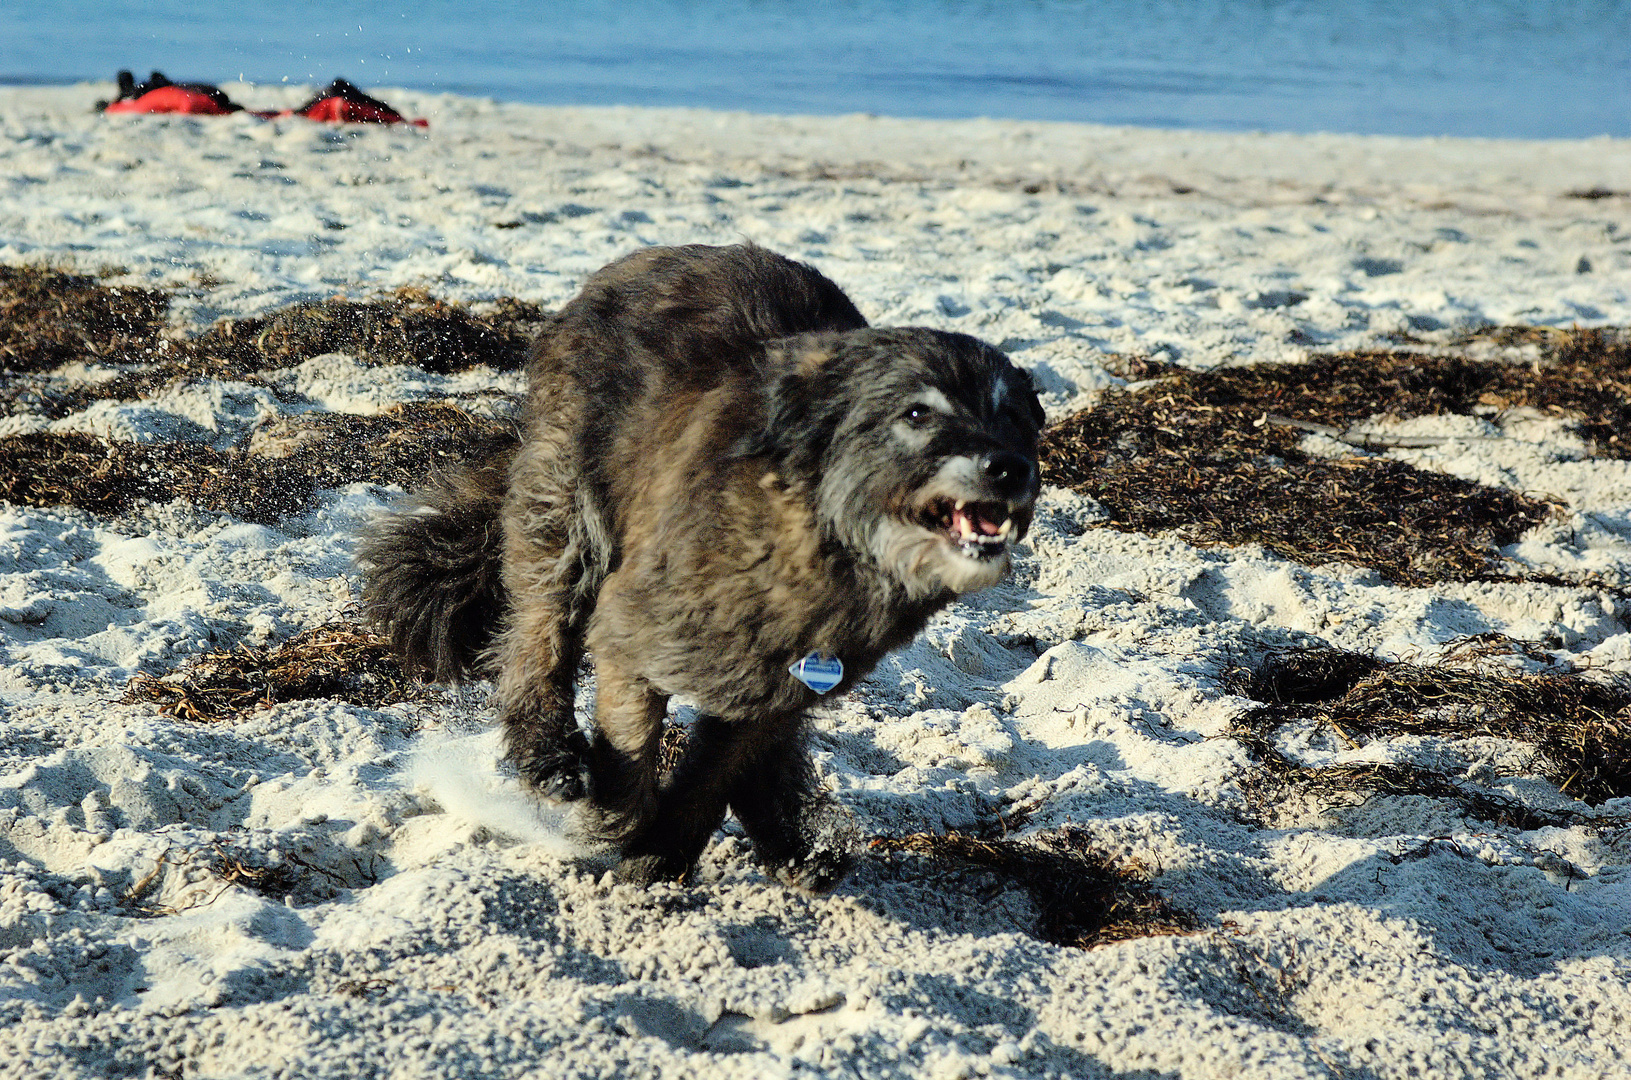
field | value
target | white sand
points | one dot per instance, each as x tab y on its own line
446	934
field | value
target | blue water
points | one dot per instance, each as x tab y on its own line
1509	68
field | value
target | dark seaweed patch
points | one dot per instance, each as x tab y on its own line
1307	676
1190	454
48	469
1584	375
1084	897
279	474
338	660
407	327
1279	779
1579	726
398	446
49	318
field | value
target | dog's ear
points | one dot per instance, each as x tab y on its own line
1037	414
803	406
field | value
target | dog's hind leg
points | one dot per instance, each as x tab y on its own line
800	833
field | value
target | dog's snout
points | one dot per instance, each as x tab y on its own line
1010	475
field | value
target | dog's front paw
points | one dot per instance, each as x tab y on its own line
816	856
647	869
817	871
558	773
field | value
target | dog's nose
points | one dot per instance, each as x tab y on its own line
1010	475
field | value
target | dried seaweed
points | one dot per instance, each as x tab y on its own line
70	469
1308	675
671	746
1583	374
364	989
49	318
337	660
280	473
398	446
1187	454
406	327
275	880
1579	726
1084	897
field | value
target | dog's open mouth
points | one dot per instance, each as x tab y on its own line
980	530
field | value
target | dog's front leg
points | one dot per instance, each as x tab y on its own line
692	802
539	649
538	662
623	757
800	833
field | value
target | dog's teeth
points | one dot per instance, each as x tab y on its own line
958	508
1007	526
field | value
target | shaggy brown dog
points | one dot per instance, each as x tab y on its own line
721	471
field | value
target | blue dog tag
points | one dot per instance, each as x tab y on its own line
819	673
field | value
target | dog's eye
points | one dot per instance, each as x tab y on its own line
917	414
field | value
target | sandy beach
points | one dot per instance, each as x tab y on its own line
349	886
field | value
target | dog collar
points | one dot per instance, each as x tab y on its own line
819	672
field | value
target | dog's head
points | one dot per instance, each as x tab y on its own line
918	448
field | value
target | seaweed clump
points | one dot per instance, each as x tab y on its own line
1581	374
1084	898
72	469
278	474
1580	727
408	326
337	660
49	318
1192	453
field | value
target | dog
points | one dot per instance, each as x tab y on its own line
725	486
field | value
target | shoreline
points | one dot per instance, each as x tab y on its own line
1347	164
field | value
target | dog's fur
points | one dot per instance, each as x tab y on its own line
721	470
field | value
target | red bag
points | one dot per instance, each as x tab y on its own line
160	95
339	103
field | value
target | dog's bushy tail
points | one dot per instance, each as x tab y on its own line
432	568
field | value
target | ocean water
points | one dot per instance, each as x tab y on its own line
1501	68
